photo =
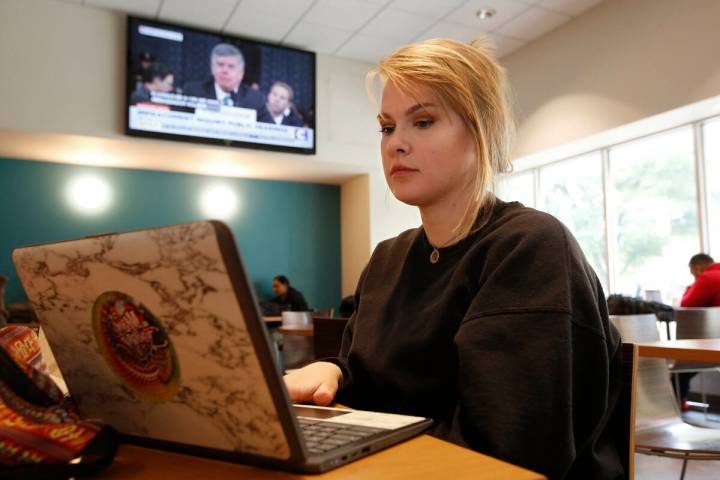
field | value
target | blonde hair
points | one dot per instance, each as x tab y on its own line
469	81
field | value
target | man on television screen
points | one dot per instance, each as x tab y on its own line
279	104
227	66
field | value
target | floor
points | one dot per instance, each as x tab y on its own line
649	467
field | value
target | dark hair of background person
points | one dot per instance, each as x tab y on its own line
701	259
156	70
282	279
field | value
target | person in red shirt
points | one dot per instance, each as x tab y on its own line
705	292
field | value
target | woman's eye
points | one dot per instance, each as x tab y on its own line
387	129
423	123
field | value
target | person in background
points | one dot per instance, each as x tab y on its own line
287	297
227	65
144	62
705	291
157	78
280	106
487	318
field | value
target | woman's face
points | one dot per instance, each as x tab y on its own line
428	153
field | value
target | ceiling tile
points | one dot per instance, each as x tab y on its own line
532	24
277	8
451	30
145	8
431	8
341	14
569	7
317	38
504	10
504	45
260	25
210	14
397	25
366	48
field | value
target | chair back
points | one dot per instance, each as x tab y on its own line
324	312
693	323
655	403
622	421
327	335
296	318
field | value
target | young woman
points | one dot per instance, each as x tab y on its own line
487	318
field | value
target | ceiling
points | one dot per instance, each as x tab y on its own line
361	29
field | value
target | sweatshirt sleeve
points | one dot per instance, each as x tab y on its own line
698	294
342	358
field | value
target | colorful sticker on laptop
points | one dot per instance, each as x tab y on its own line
135	346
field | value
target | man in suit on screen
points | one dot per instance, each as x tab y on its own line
227	66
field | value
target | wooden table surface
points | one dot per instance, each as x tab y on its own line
297	330
423	457
704	350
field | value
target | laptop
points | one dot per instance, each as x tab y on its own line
157	332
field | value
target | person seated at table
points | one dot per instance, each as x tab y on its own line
705	291
286	298
487	318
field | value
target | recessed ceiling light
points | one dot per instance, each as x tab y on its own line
485	13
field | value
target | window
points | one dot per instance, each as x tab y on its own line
654	213
572	191
711	135
518	187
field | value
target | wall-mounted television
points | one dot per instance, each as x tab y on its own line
194	85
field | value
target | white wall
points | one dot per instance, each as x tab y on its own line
62	97
622	61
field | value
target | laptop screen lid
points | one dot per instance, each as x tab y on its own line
153	334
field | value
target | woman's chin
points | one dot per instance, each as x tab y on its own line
408	196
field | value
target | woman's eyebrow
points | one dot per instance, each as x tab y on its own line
409	111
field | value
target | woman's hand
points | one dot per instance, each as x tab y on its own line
317	383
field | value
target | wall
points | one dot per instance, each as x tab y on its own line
622	61
355	231
280	227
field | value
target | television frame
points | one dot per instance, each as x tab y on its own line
206	140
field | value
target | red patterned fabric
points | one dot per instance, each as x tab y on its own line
31	433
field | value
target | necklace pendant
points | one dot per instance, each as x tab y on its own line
434	256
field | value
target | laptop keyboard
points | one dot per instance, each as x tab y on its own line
321	436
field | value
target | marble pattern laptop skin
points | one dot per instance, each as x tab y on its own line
150	337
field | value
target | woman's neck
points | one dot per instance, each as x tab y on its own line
440	219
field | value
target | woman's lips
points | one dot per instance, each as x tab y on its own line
401	170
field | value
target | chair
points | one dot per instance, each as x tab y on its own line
297	351
695	323
327	335
622	421
659	428
324	312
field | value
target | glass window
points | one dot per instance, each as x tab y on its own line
572	191
518	187
654	214
711	137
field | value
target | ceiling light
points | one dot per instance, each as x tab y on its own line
485	13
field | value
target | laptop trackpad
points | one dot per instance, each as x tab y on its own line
387	421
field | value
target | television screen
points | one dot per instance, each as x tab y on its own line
193	85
